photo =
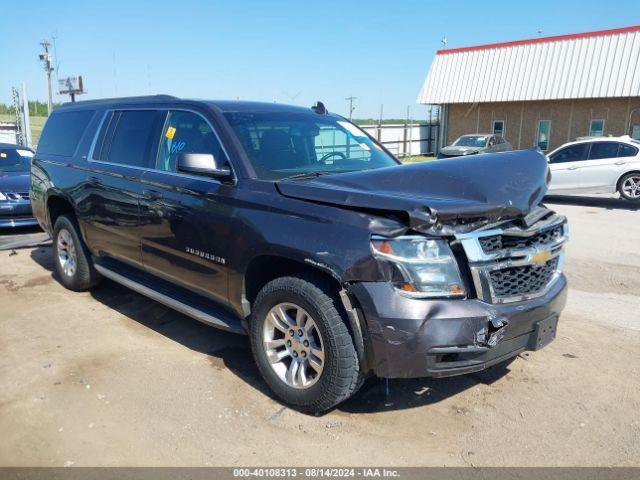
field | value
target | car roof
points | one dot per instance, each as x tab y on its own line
622	139
223	105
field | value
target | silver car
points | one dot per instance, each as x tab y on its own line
474	144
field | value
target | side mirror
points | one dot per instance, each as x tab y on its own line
201	164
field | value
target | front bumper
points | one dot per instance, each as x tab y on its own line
16	214
411	338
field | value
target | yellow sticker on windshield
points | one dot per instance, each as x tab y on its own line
171	131
3	155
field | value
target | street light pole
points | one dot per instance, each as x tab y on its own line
46	59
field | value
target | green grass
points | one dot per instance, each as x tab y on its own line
36	125
416	158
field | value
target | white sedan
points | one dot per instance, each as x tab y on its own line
597	165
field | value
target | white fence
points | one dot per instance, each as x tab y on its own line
402	140
8	133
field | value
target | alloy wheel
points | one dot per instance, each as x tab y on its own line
631	187
67	253
293	345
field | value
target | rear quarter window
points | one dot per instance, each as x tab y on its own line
627	151
63	132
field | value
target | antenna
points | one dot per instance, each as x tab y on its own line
444	42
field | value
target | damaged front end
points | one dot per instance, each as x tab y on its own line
468	261
514	292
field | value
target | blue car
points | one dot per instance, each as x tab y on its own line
15	179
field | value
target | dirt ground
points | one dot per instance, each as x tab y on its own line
111	378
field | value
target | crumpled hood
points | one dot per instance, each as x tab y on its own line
500	185
15	181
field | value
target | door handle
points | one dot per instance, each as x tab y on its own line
572	168
621	162
152	194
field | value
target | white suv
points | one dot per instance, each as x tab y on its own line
597	165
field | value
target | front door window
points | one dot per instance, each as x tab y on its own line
187	132
573	153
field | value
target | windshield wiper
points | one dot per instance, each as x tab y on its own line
304	175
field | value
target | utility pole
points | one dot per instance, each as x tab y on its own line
380	123
351	107
46	59
25	116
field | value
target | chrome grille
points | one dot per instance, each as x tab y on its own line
17	196
516	263
499	242
514	281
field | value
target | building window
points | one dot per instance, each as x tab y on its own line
498	127
596	128
542	137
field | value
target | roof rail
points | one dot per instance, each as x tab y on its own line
139	99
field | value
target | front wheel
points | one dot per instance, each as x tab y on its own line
630	187
302	346
72	260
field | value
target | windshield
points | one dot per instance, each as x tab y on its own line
471	141
15	160
284	144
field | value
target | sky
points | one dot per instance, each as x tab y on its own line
286	51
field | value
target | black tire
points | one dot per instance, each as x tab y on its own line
84	276
341	375
623	194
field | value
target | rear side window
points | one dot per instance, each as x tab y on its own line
131	138
63	132
627	151
574	153
600	150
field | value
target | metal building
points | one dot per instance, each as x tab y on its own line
540	92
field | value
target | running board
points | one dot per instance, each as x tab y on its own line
208	318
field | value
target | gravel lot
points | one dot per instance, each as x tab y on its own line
110	378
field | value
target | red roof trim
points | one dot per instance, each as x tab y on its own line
556	38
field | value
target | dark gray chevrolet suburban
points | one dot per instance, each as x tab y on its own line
294	226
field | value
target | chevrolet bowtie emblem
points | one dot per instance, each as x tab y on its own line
541	258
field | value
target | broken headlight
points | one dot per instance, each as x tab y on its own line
427	266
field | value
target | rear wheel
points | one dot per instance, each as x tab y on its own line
72	260
630	187
302	346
